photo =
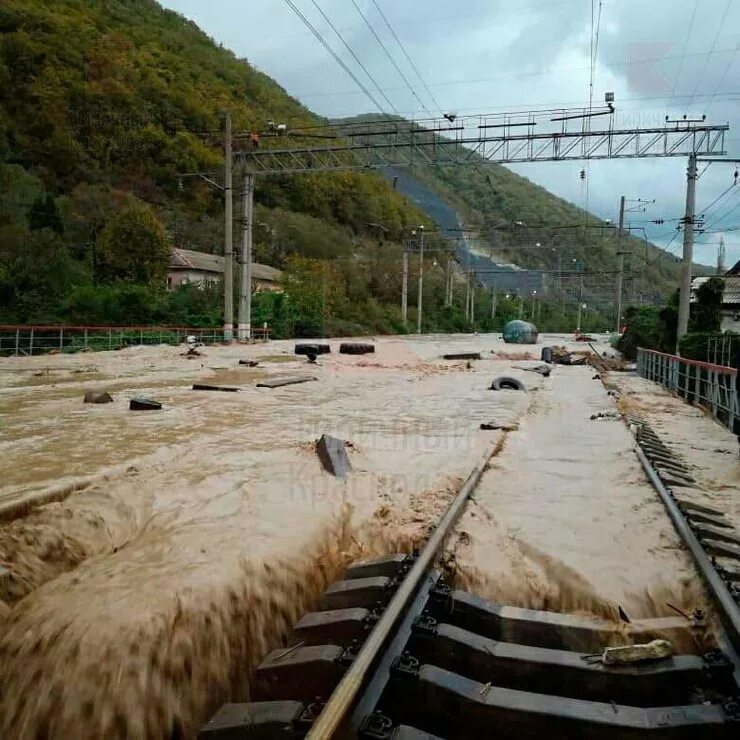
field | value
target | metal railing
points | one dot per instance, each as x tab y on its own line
37	340
702	383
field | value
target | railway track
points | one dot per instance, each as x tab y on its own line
395	653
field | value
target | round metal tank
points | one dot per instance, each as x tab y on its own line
520	332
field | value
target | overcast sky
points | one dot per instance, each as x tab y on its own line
666	57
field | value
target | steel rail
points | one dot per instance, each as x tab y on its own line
342	700
729	610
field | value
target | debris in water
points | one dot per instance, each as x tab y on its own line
291	380
628	654
504	382
605	415
98	397
312	349
249	363
333	455
462	356
204	387
491	425
144	404
356	348
543	370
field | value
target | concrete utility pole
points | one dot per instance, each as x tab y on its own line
245	283
472	297
448	284
620	270
405	287
421	279
688	251
228	235
493	302
467	297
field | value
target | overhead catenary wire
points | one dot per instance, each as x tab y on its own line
718	219
722	77
720	28
390	56
408	57
682	55
705	211
331	51
354	56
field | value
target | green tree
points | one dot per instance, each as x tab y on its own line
43	214
706	315
134	248
36	271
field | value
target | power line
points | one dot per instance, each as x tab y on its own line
730	62
406	54
388	54
331	51
704	211
685	46
711	51
718	219
564	70
354	56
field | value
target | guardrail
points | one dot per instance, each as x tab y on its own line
704	383
18	339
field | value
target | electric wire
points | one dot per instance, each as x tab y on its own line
719	219
331	51
354	56
408	57
682	56
706	210
390	56
711	51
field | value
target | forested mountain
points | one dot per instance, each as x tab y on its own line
106	109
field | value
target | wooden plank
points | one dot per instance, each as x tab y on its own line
290	380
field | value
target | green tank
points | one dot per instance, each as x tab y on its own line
520	332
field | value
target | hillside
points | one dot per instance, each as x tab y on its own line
492	200
102	106
106	111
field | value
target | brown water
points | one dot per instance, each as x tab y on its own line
202	532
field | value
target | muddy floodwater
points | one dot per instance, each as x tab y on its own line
155	557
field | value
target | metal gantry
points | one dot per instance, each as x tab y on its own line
499	139
530	136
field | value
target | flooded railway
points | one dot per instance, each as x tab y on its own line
154	559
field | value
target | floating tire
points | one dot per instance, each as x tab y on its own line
546	355
506	383
356	348
312	349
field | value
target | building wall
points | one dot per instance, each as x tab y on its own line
731	320
201	277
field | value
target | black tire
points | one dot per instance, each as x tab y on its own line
546	355
312	349
504	382
356	348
